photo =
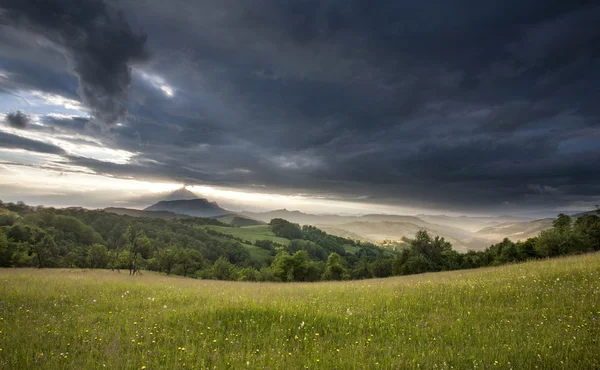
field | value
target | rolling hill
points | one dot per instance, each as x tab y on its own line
141	213
378	231
514	230
198	207
540	314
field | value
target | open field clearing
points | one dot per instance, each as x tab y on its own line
533	315
250	233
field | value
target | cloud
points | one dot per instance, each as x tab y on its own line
96	39
11	141
17	119
399	103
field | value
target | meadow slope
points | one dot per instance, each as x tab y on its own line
540	314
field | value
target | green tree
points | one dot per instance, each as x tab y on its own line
335	269
587	231
362	270
167	258
224	270
562	223
97	256
285	229
5	251
42	246
283	266
136	243
553	242
190	260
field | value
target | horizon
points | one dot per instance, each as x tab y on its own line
398	108
169	197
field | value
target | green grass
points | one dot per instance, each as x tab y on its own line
258	254
250	233
534	315
350	248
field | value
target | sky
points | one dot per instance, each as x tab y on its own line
355	106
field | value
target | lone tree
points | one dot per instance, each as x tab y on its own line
136	242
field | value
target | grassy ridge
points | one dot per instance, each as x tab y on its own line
542	314
250	233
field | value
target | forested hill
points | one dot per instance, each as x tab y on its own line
77	237
281	251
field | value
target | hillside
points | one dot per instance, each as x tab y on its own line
514	230
165	215
468	223
192	207
378	231
235	220
250	233
531	315
376	227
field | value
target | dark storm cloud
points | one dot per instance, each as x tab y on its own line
96	39
28	75
17	119
456	105
11	141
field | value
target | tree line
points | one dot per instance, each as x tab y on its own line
76	237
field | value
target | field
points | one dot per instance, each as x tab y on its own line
533	315
250	233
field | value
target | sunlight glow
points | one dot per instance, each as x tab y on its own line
157	82
64	141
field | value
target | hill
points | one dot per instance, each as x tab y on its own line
469	223
532	315
165	215
235	220
515	230
250	233
376	227
379	231
181	194
192	207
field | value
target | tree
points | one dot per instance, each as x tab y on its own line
587	231
285	229
553	242
362	270
334	269
41	246
97	256
562	223
5	251
167	258
136	242
190	260
382	267
283	266
224	270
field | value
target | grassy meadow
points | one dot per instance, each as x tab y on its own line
250	233
540	314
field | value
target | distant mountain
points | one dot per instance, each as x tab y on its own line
181	194
591	213
150	214
198	207
470	223
539	215
514	230
375	227
378	231
296	217
235	220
